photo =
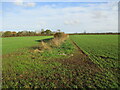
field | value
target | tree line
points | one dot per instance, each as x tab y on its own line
107	33
27	33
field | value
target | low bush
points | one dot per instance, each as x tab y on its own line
60	35
59	38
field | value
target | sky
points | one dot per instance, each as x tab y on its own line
69	17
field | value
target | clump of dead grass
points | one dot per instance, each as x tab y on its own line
57	41
59	38
44	45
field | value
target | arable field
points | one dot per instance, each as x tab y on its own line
102	49
63	66
11	44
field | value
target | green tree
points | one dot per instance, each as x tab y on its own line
58	30
48	32
7	34
20	33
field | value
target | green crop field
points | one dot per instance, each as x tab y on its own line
103	49
11	44
24	65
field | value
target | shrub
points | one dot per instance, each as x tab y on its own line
59	38
60	35
7	34
57	41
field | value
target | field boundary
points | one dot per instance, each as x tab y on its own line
80	50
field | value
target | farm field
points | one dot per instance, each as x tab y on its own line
62	66
73	44
11	44
102	49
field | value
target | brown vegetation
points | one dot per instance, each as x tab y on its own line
60	35
58	39
44	45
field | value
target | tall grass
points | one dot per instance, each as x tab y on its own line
55	42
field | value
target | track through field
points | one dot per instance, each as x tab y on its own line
80	60
82	52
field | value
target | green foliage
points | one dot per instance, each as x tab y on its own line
7	33
26	33
46	32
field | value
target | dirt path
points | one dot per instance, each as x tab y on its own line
81	68
80	60
79	48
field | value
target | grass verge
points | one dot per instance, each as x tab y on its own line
29	69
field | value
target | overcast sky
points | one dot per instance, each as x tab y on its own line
69	17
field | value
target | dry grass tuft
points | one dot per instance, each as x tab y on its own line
44	45
57	41
59	38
